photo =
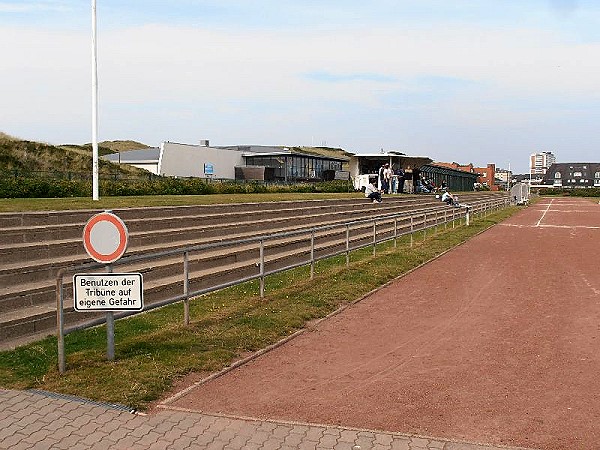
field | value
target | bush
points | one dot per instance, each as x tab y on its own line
18	187
43	188
577	192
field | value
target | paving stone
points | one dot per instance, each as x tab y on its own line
400	444
149	438
300	429
314	433
44	444
383	439
12	440
238	441
308	445
281	431
8	431
418	442
380	447
161	444
260	437
293	439
328	441
348	436
91	426
272	444
216	445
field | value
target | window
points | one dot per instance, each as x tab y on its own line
557	175
597	175
576	174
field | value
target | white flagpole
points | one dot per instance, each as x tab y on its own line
95	189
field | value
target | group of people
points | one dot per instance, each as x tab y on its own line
391	179
425	185
387	176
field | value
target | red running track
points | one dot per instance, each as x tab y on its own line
496	341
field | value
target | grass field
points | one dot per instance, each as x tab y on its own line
155	349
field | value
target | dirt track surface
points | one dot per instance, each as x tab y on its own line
496	341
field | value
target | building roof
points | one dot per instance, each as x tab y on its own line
588	167
403	159
293	153
145	155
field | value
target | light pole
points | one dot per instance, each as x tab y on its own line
95	195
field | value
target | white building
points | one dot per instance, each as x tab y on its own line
249	162
539	163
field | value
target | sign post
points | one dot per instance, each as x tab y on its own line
105	238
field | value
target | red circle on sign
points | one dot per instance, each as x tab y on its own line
99	221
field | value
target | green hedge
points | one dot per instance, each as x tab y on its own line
50	188
578	192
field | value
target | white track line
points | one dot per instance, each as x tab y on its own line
585	227
544	215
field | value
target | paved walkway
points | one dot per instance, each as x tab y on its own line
40	420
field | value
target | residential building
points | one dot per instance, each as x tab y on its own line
539	163
503	178
573	175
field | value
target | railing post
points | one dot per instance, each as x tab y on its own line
262	268
312	254
424	226
186	288
445	220
412	229
347	245
395	232
468	216
374	236
60	321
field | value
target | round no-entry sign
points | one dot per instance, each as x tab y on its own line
105	237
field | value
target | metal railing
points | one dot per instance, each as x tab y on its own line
367	233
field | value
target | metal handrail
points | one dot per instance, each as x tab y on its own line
478	206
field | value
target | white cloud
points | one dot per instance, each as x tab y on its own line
171	82
32	6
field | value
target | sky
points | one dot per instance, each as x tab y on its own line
470	81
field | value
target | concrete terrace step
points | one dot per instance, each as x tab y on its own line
16	274
38	318
16	236
13	254
31	301
16	295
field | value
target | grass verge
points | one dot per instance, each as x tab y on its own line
155	349
60	204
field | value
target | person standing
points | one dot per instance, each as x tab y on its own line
381	177
388	175
400	174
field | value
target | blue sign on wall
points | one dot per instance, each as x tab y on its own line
209	169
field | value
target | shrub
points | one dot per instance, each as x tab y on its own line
577	192
23	187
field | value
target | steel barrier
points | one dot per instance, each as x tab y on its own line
384	228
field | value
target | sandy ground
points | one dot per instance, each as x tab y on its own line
496	341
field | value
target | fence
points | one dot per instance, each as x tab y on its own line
323	242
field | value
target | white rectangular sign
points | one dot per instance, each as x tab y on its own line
108	292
